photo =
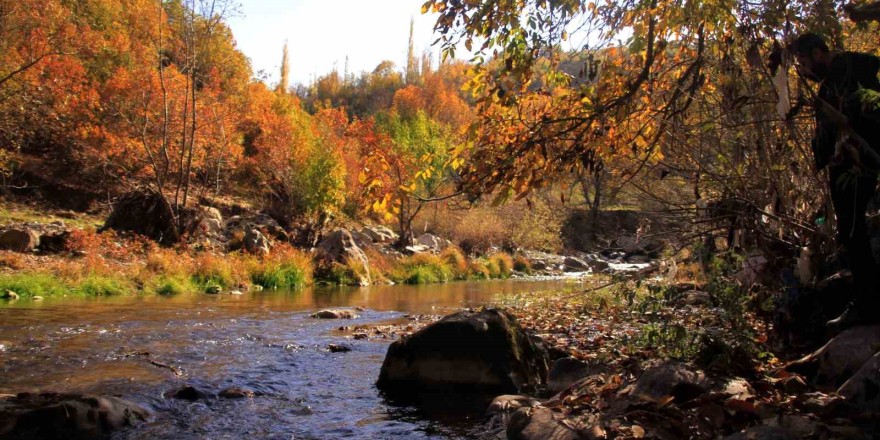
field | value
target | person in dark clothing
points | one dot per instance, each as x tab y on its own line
847	141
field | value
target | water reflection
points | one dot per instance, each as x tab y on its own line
141	347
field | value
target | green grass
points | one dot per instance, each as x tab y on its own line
95	285
28	285
174	285
280	276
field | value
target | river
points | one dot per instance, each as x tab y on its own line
262	341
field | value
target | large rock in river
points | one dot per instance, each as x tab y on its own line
483	351
64	416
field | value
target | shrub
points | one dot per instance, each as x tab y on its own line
492	267
456	261
478	270
522	264
503	262
33	284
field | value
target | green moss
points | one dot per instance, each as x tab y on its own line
33	284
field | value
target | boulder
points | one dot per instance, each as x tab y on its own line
207	221
862	390
19	240
539	424
673	379
339	247
840	358
434	242
255	242
362	240
484	351
574	264
59	416
8	294
335	314
380	234
508	403
145	213
566	371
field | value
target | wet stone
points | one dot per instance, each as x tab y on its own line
236	393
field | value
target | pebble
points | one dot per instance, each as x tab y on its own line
37	298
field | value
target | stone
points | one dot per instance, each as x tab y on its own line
335	348
695	298
416	249
764	433
236	292
484	351
362	240
212	290
840	358
185	393
335	314
207	221
539	424
380	234
433	242
862	390
574	264
10	295
638	259
738	388
36	298
19	240
255	242
566	371
673	379
255	288
64	416
236	393
508	403
339	247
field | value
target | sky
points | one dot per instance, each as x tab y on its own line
321	33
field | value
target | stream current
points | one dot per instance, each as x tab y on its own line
141	347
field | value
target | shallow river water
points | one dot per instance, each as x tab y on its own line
261	341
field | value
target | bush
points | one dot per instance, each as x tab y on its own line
456	261
477	270
522	264
503	262
33	284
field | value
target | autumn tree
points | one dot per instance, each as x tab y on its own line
683	106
